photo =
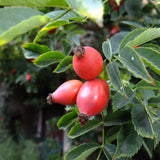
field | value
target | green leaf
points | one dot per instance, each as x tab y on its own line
114	75
49	58
151	58
141	121
116	40
67	47
120	100
109	150
64	15
156	131
131	36
67	120
128	142
64	64
111	134
143	85
48	27
107	49
77	130
14	25
130	59
92	9
82	151
149	146
154	101
35	3
146	36
132	24
117	118
33	50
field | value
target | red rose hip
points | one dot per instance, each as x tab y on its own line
92	98
115	6
28	77
66	93
87	62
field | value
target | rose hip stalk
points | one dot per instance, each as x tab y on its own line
66	93
92	98
87	62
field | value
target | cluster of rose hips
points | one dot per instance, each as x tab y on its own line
91	96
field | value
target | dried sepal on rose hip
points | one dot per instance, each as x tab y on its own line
66	93
92	98
87	62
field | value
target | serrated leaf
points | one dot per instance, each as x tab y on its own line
114	75
143	85
156	131
130	59
146	36
49	58
35	3
14	25
82	151
67	120
141	121
109	150
116	40
107	49
67	47
64	64
92	9
117	118
151	58
154	101
154	113
50	26
111	134
120	100
33	50
77	130
131	36
149	146
128	142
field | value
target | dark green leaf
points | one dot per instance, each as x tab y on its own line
33	50
117	118
154	101
132	24
82	151
151	58
114	75
149	146
156	131
14	25
120	101
67	47
130	59
128	142
111	134
141	121
109	150
35	3
67	120
48	58
143	85
77	130
107	49
64	64
116	40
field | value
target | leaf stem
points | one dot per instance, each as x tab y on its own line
155	7
68	10
99	154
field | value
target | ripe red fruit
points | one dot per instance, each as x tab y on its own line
28	77
13	71
92	98
114	30
87	62
115	6
66	93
